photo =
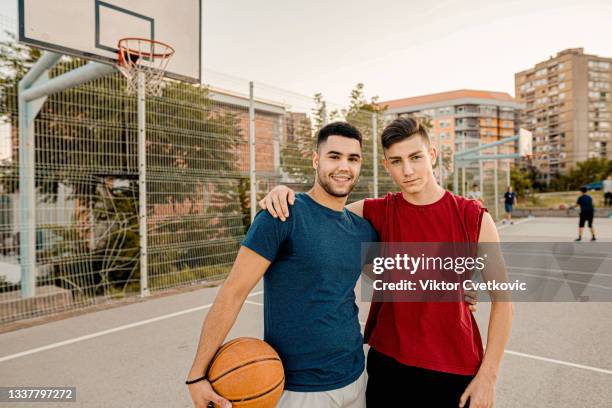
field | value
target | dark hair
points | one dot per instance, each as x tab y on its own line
401	129
343	129
583	189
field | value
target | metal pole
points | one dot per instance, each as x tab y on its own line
252	152
496	184
440	158
70	79
375	154
508	181
489	157
480	173
27	201
489	145
456	175
27	192
463	163
142	185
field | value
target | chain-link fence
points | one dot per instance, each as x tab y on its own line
198	179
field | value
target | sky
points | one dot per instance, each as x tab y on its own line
396	48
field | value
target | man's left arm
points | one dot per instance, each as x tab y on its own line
481	390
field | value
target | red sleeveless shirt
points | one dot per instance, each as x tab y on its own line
437	336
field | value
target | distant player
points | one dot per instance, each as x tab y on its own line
476	194
587	211
509	202
607	188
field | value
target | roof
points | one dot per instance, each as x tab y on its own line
447	96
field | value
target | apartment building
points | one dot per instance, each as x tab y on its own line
466	117
568	104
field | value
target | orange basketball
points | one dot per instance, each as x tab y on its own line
247	372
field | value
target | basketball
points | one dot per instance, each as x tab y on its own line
247	372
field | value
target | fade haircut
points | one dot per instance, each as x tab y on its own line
343	129
401	129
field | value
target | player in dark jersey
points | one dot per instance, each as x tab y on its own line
424	354
587	211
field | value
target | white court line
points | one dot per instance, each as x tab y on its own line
512	225
565	363
551	360
194	309
109	331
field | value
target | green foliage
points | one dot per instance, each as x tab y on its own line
588	171
86	137
521	181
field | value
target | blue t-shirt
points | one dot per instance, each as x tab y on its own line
586	203
310	315
509	198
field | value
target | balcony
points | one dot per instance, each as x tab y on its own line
462	125
468	114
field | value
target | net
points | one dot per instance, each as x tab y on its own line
149	57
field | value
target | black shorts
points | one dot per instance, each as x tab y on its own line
586	216
407	386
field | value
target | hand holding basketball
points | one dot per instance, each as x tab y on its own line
202	394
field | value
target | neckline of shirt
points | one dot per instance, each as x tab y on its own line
324	208
424	206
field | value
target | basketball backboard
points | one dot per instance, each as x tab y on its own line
525	142
91	29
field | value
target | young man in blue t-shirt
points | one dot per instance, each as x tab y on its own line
310	265
587	211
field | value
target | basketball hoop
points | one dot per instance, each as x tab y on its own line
149	57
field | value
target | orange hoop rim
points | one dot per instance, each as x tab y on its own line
125	48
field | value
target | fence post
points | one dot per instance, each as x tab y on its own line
439	158
252	173
480	173
496	184
463	163
508	181
142	186
375	154
455	175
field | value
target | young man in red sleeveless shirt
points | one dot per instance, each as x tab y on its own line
427	353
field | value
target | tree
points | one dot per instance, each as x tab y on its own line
85	140
520	181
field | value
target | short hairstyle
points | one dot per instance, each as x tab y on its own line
402	129
343	129
583	189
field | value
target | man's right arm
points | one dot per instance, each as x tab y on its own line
247	270
278	200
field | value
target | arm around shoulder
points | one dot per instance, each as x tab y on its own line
356	207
